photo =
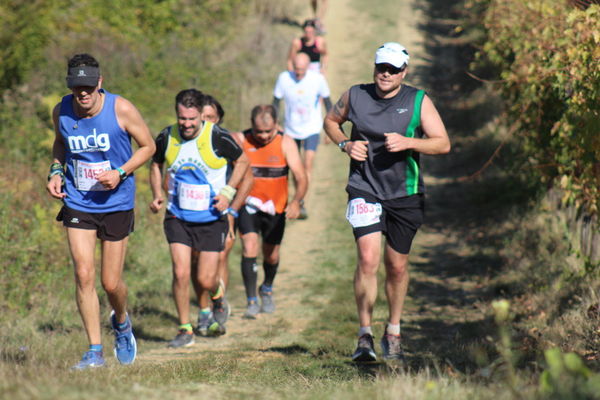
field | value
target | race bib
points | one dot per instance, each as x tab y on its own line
255	203
86	174
193	197
360	213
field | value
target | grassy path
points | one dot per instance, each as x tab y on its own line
302	350
436	312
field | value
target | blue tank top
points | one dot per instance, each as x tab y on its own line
93	145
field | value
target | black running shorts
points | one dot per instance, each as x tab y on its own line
271	227
399	220
112	226
209	236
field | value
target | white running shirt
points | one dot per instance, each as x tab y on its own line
302	106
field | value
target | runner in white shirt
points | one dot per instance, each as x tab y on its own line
302	91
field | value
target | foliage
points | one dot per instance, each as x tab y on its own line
567	377
148	51
548	55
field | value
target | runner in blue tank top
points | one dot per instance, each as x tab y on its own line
92	173
392	124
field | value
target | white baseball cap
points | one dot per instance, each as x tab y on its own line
392	53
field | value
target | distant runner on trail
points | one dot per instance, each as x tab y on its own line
94	160
319	7
196	153
302	90
392	124
271	155
312	45
212	111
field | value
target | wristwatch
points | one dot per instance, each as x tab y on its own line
122	174
342	144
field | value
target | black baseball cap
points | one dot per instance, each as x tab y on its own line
83	76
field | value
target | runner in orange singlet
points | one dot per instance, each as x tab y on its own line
271	155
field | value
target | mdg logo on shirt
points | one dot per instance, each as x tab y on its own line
93	142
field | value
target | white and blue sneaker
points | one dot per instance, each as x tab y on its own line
125	345
90	359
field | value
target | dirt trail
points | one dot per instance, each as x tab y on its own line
298	257
302	238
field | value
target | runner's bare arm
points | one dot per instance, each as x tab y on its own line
436	139
54	186
131	121
294	162
156	186
294	48
322	46
247	181
239	170
356	149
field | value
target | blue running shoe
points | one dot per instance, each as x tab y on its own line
125	345
90	359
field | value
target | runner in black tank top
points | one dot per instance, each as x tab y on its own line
391	125
316	50
311	50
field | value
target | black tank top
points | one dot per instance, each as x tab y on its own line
312	51
385	175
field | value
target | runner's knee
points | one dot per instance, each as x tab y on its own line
397	271
368	264
111	285
85	277
181	274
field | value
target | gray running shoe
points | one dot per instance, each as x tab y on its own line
183	339
365	351
221	310
391	347
267	304
206	324
303	214
252	310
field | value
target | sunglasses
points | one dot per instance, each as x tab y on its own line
381	68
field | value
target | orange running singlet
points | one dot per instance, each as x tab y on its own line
270	171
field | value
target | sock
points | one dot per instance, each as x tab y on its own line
187	327
270	271
265	289
122	327
218	294
250	275
206	310
96	347
364	330
392	329
252	299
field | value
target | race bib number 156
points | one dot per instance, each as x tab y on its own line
360	213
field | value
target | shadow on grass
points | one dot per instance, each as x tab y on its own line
288	350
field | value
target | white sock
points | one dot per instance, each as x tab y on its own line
364	330
393	329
